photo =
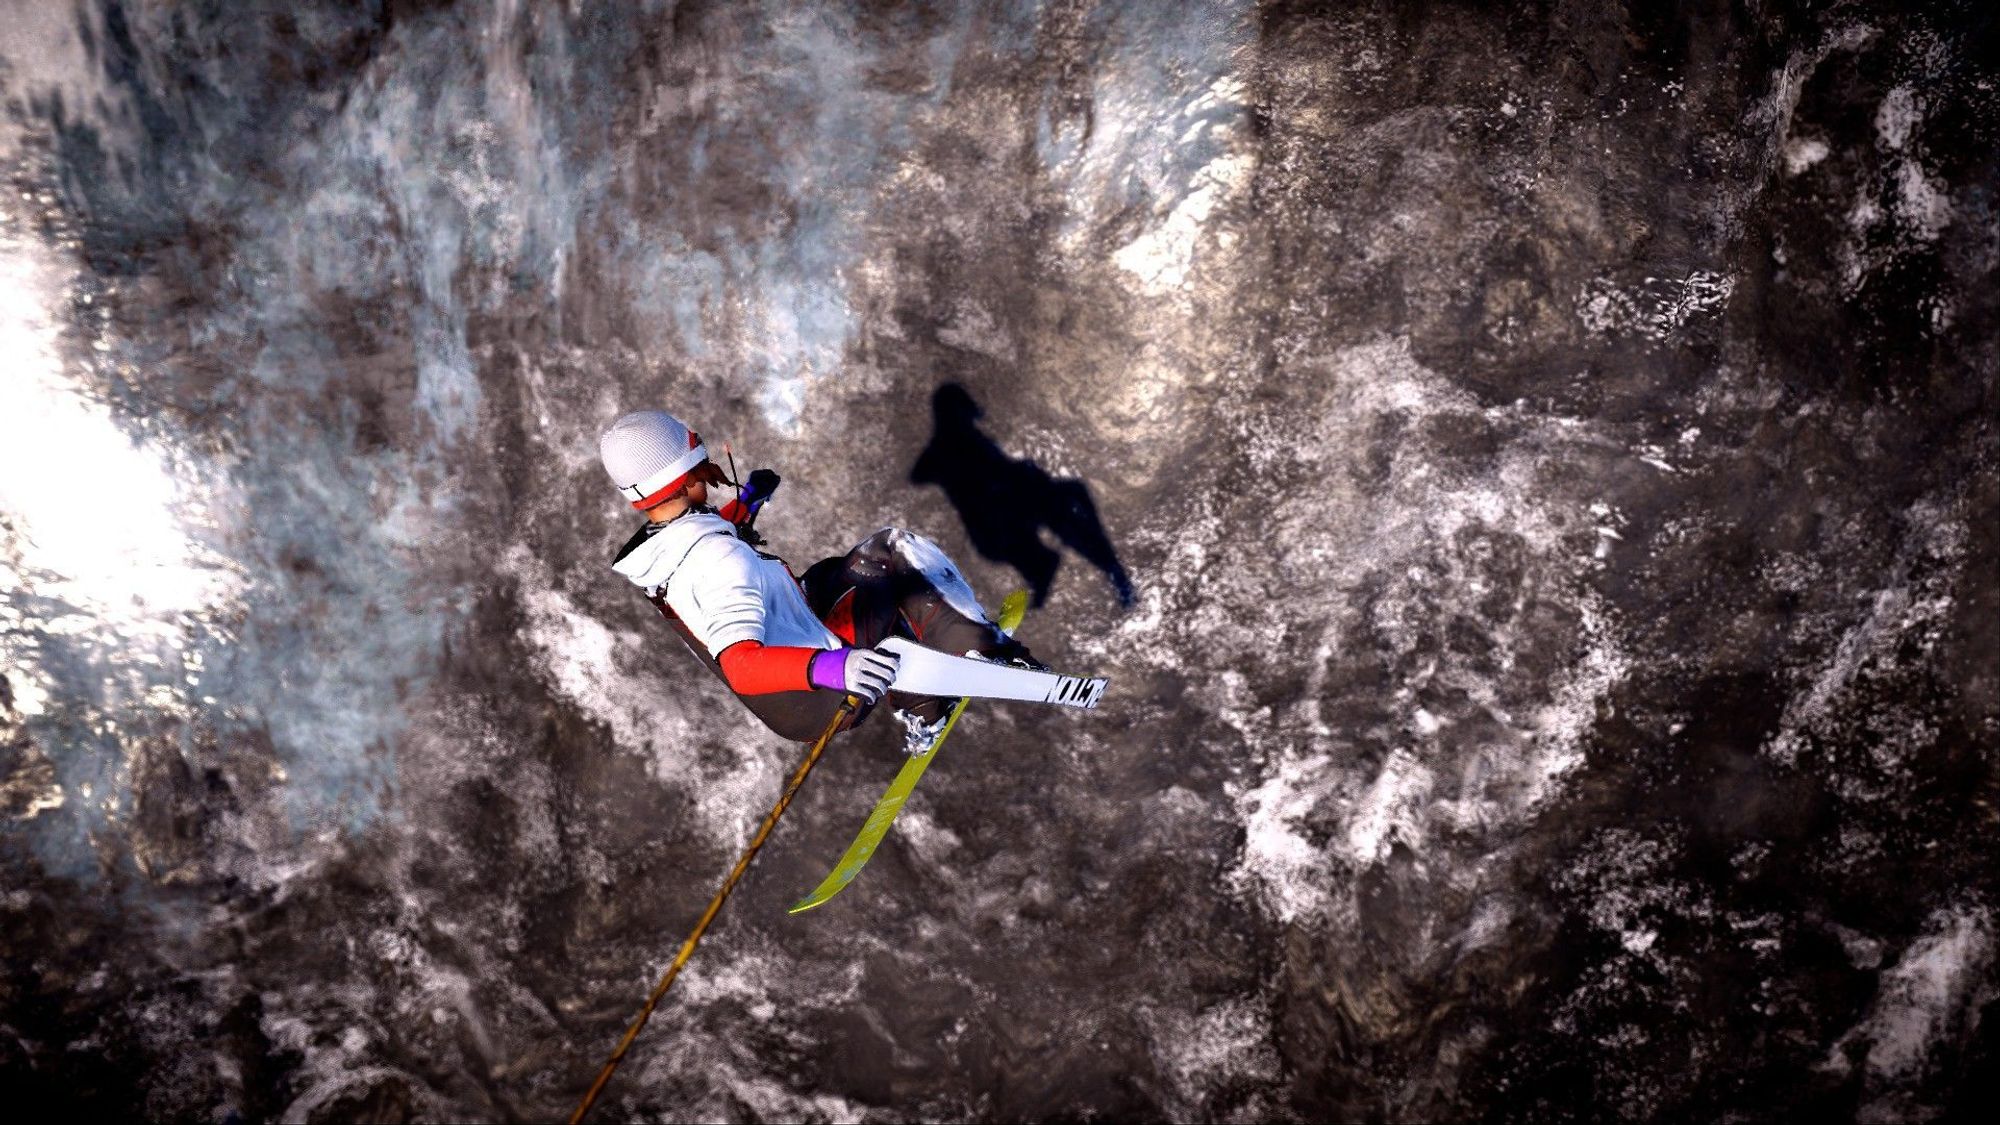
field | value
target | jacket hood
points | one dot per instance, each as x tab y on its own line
651	560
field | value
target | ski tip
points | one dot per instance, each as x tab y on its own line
824	893
1082	692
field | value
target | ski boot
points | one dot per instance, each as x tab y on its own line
921	733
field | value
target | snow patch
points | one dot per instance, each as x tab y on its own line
1169	131
65	460
1293	874
1227	1044
745	1001
621	680
1925	994
1802	153
1922	204
1392	811
1160	258
1930	999
1900	612
1898	116
1656	307
1483	745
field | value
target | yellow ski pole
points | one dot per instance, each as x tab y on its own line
714	906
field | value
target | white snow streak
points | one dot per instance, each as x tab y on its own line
1430	781
1929	999
627	681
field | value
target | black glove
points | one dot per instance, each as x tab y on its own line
759	488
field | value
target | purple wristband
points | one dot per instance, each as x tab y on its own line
828	669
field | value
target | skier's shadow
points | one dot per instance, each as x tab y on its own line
1006	502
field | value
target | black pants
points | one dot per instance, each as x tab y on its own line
877	590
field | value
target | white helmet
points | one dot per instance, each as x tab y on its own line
649	454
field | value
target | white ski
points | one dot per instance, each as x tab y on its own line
925	671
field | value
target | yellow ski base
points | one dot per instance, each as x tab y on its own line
865	842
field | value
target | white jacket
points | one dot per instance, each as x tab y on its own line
722	588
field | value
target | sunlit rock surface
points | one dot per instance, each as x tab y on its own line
1552	453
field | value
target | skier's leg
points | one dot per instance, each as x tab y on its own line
938	606
858	596
896	583
854	594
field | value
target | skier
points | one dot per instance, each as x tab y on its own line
791	649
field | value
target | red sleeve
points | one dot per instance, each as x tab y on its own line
752	669
735	512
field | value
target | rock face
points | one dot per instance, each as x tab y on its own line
1530	475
